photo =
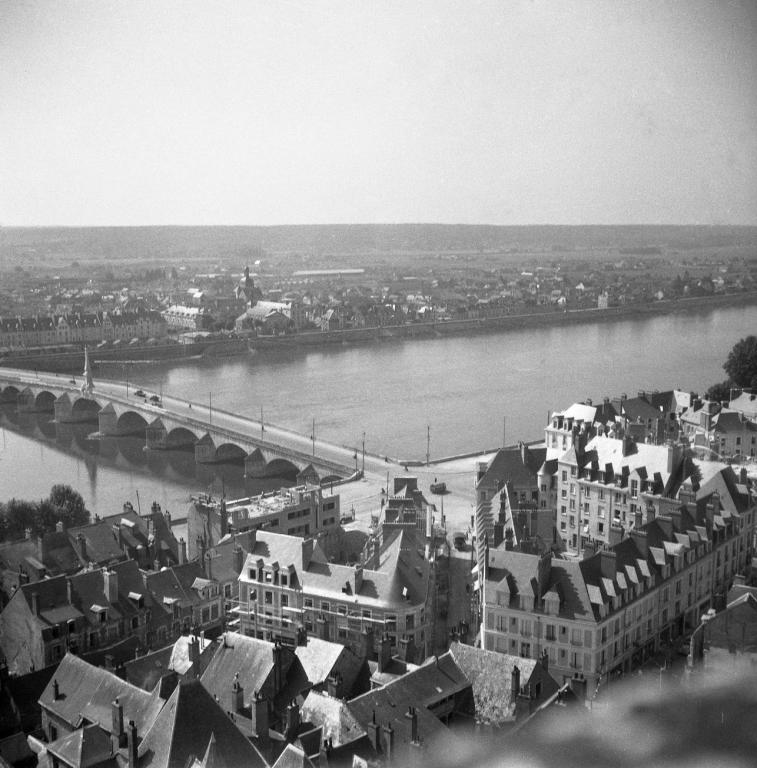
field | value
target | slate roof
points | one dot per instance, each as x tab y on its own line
517	465
399	578
293	757
490	674
333	716
248	657
87	692
180	660
420	688
184	727
84	747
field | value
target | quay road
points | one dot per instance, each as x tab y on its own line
363	495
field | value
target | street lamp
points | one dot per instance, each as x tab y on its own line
210	407
363	452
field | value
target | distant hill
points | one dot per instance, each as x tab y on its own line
161	243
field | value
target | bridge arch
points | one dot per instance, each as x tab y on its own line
229	453
180	438
44	402
84	409
281	468
131	423
9	394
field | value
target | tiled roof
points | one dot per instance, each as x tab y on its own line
180	660
182	732
517	465
293	757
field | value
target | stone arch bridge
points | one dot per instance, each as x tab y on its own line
220	437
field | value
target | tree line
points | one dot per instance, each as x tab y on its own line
64	504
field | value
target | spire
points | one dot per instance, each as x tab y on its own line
88	386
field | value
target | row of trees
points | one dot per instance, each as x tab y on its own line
741	367
64	504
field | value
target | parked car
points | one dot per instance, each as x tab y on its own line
154	399
139	393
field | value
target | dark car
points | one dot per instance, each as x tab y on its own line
139	393
154	399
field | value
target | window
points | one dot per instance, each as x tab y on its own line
550	632
284	601
563	510
525	650
410	621
284	580
634	488
366	613
564	476
268	597
325	606
135	622
308	602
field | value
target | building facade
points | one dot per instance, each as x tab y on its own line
288	586
613	609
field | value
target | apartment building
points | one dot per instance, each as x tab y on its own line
299	511
714	428
612	610
288	587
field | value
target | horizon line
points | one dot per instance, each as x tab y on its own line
366	224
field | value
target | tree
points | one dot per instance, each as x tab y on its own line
719	392
741	365
67	505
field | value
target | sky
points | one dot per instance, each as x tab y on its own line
289	112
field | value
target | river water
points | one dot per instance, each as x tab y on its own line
472	392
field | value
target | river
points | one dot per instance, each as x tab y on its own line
472	392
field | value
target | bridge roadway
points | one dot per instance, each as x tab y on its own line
364	494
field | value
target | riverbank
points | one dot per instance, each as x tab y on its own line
307	339
72	360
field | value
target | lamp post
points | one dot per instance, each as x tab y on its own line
210	407
363	452
312	436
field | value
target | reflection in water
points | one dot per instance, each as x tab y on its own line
37	452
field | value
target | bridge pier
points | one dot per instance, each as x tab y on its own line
205	450
156	436
107	421
255	464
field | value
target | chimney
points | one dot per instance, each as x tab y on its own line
373	733
69	592
499	533
292	721
406	650
607	563
35	603
81	545
638	519
237	695
366	643
238	559
385	653
358	580
56	690
544	660
182	551
334	686
60	527
132	745
277	652
307	551
675	516
252	540
117	732
194	656
412	715
514	682
388	741
259	712
110	586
